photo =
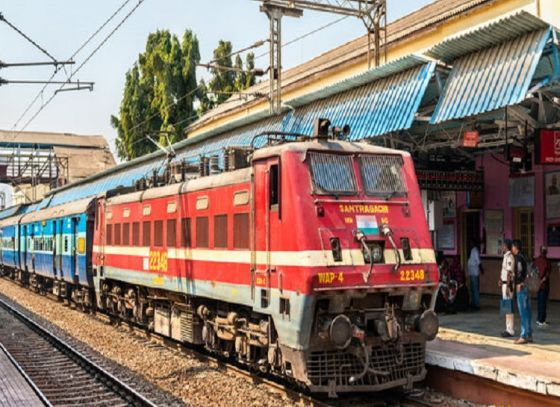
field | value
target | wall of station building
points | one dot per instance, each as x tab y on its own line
507	201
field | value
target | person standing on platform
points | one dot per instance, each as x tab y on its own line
523	297
544	266
506	285
474	269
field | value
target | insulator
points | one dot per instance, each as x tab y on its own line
206	166
214	165
226	160
201	166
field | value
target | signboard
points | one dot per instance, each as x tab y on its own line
470	138
522	192
494	221
552	194
547	145
446	237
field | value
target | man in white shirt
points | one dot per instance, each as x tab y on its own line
473	267
506	283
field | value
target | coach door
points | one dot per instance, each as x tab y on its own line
23	247
266	211
73	248
59	243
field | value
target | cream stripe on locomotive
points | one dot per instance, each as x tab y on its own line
309	258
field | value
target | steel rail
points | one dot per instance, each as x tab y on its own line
121	388
26	377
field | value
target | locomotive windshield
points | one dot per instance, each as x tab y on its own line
332	173
382	174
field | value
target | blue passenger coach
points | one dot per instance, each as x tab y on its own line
53	246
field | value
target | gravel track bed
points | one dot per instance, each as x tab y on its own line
164	376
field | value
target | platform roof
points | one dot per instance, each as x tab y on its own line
493	66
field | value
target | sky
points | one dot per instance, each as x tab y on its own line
62	26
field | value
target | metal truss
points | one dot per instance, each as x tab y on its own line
373	14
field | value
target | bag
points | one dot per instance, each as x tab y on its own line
506	306
533	279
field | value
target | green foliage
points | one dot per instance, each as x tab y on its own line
159	94
224	82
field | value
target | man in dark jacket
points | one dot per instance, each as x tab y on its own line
544	266
523	297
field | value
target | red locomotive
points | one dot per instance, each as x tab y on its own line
314	263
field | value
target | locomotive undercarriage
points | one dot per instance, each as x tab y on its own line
378	340
229	330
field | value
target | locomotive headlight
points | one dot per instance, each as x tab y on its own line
340	331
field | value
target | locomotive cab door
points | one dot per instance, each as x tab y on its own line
266	211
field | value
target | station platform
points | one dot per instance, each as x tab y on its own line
14	389
470	343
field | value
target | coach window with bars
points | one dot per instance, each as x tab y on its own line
136	233
241	231
202	231
382	175
146	236
171	232
158	233
117	232
220	231
126	234
332	174
109	235
186	232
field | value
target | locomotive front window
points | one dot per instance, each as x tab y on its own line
382	174
332	174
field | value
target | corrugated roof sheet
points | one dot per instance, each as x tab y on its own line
487	35
491	78
385	105
371	75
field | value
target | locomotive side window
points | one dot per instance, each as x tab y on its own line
109	235
220	231
382	174
241	231
117	232
158	233
135	233
126	234
332	174
186	232
146	238
202	231
274	186
171	232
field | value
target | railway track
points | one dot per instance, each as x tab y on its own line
386	399
59	373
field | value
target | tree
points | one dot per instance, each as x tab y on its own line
225	82
159	94
222	83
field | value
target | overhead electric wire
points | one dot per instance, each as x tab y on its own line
301	37
85	43
45	104
43	50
